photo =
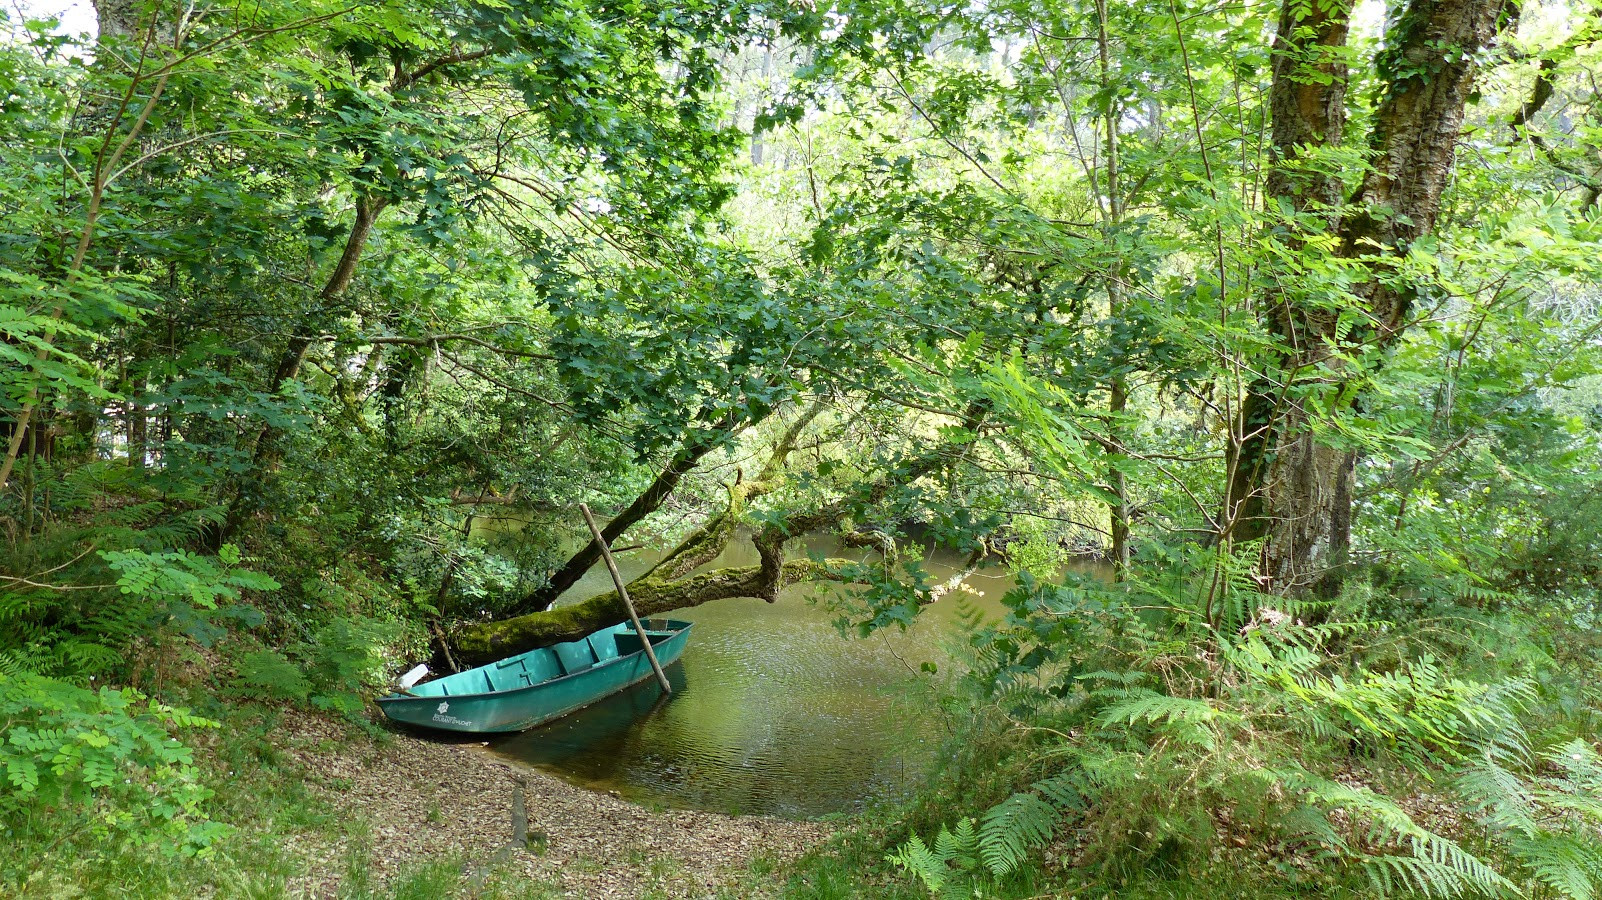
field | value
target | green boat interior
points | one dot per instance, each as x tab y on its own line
547	663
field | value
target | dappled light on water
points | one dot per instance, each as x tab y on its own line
774	711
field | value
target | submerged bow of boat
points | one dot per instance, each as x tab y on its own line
532	688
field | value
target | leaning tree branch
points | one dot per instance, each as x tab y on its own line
697	443
450	59
479	644
672	584
707	542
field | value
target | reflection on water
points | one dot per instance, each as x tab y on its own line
772	711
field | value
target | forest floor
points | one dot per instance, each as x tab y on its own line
414	800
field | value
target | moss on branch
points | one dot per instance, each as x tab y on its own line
670	585
488	641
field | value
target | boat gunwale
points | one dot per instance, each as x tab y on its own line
600	664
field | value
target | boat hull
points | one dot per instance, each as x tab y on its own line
436	705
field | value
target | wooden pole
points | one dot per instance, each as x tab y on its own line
622	591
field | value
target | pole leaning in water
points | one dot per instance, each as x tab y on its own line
611	566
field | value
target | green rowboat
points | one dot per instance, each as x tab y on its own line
535	687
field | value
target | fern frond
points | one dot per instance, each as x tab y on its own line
1012	828
1187	717
1437	866
1066	790
1499	796
1129	679
1569	867
916	857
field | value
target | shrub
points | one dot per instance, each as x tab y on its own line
1227	722
104	764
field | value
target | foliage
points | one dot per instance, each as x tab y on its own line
343	658
965	858
105	763
158	593
948	868
334	669
1280	736
267	673
186	588
373	296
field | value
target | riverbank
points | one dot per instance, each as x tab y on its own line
411	800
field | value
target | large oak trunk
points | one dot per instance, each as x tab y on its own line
1307	510
1289	485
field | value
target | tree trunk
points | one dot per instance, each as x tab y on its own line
138	428
399	370
1288	485
265	451
1118	385
289	362
1308	495
1414	140
1307	102
1118	511
757	145
695	446
116	18
673	584
479	644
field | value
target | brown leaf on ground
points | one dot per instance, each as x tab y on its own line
423	799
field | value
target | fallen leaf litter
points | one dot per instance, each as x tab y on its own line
422	799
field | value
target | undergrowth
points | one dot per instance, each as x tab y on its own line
141	725
1176	726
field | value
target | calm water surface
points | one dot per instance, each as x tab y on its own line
772	711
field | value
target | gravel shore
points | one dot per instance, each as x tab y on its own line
422	798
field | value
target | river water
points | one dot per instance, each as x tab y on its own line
773	711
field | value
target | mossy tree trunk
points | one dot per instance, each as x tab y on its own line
1289	484
674	584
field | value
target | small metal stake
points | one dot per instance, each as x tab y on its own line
617	579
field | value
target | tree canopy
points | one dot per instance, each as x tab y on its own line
318	320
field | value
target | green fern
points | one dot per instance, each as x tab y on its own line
1012	828
1435	866
1147	706
1501	798
1567	865
1186	720
1066	790
949	869
268	672
1127	679
917	858
1551	822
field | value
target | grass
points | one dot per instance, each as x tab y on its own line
283	825
279	826
449	877
849	867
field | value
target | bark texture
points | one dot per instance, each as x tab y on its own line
361	229
1280	476
1288	484
117	18
1430	66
